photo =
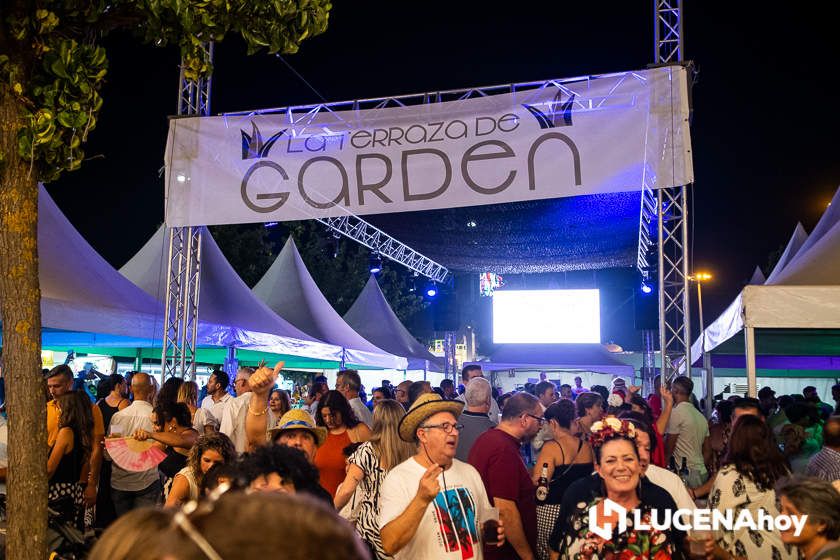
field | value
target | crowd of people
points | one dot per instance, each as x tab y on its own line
416	472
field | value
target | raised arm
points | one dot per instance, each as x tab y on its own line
346	489
667	405
256	420
400	530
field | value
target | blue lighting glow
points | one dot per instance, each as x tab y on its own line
431	290
646	288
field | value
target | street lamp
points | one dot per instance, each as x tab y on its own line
698	278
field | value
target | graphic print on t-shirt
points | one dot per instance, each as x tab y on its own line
455	513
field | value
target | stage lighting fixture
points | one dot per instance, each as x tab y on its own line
646	288
375	263
431	289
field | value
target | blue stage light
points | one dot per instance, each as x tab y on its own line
431	290
646	288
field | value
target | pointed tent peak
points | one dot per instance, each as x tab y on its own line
291	292
829	218
757	278
795	245
225	299
819	266
372	317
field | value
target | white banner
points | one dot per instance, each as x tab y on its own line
592	135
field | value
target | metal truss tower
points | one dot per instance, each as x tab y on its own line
184	256
664	222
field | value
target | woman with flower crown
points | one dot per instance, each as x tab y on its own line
618	478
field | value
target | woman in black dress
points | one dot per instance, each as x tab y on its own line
175	435
68	459
569	458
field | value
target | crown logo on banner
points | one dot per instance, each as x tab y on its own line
559	113
253	146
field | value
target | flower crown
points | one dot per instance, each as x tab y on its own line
610	428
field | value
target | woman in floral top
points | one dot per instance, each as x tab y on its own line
620	480
750	470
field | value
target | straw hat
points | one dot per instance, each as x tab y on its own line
426	405
298	419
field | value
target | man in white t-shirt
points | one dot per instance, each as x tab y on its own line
687	433
432	505
131	489
233	416
217	395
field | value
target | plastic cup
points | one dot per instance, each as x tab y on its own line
697	542
490	526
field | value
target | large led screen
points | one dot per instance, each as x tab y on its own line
546	316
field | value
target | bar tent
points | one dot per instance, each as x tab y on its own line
800	302
238	318
288	289
372	317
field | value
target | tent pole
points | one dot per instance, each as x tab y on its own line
749	339
231	363
138	359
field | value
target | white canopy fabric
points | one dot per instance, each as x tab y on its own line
797	240
582	357
804	293
372	317
240	319
289	290
80	291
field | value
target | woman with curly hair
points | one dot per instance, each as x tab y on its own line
752	466
208	451
69	457
343	429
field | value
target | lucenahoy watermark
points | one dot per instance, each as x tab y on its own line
696	519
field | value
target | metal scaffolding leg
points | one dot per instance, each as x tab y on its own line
667	210
184	263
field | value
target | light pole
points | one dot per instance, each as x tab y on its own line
699	278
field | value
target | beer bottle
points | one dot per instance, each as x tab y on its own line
542	484
684	472
672	465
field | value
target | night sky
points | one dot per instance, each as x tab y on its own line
764	126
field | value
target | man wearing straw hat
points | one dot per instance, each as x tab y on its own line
297	429
433	505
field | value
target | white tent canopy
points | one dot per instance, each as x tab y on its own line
802	294
225	301
372	317
81	292
289	290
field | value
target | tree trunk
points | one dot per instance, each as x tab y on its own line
20	309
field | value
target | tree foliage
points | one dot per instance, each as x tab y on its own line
51	62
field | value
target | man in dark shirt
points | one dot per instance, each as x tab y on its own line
474	418
495	455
